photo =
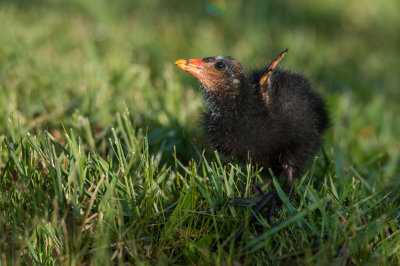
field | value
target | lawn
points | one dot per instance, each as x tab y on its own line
102	155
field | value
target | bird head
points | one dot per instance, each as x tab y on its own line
218	75
221	76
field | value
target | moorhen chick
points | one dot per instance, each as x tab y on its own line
269	114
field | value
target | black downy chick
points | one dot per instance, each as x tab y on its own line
271	115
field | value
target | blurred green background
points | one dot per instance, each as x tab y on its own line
82	65
75	64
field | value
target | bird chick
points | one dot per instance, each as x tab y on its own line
271	115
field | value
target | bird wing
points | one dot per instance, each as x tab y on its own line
265	80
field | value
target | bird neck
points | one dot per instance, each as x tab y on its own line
236	106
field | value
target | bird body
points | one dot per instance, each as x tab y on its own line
269	115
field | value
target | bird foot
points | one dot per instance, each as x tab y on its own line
262	202
240	201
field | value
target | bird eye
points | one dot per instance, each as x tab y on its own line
219	65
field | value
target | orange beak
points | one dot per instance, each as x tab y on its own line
193	66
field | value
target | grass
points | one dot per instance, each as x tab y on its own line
102	159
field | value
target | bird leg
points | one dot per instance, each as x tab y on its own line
247	201
241	201
262	200
271	198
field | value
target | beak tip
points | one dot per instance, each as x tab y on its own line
180	61
190	65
